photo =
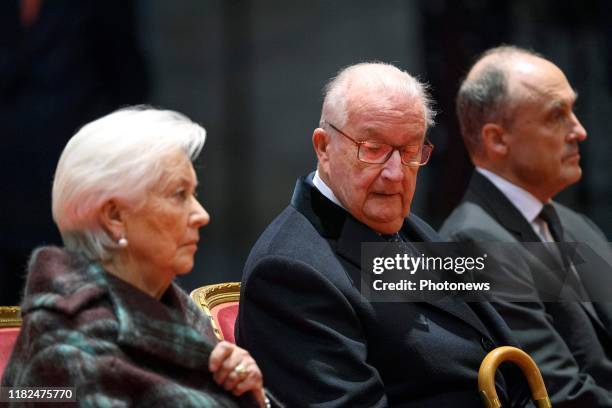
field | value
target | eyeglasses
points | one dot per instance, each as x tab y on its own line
379	153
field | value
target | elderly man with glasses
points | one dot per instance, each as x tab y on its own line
317	339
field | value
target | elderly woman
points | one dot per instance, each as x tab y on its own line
102	314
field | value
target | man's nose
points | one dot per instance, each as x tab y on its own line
578	132
394	169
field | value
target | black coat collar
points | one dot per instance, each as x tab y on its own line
345	235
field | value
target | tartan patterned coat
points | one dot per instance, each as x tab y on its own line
85	328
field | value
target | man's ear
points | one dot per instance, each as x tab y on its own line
321	141
111	218
494	138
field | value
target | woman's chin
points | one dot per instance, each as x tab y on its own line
184	267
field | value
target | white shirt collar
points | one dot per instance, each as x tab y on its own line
325	190
523	200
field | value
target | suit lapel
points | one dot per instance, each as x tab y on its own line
585	273
354	233
484	193
326	217
345	234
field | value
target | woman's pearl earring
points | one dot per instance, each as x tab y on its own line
122	242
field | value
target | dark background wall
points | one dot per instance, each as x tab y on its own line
251	72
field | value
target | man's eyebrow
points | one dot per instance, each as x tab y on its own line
574	97
561	103
557	104
370	132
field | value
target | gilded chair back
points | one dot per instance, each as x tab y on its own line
220	302
10	323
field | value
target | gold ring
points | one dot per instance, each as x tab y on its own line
241	371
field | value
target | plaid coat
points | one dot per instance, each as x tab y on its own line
85	328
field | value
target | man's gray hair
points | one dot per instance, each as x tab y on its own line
119	156
484	97
376	76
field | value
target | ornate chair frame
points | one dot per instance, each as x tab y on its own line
10	316
209	296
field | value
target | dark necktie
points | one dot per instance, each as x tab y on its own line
550	216
404	245
392	237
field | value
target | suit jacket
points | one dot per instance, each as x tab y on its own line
320	343
570	341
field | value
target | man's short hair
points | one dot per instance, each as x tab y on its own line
484	98
375	76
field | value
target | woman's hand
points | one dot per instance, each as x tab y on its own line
235	370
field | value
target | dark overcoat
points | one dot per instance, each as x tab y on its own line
85	328
320	343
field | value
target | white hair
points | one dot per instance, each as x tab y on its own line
118	156
373	76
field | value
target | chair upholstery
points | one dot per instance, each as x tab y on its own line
220	302
10	322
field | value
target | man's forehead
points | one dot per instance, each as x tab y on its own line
386	107
393	133
551	91
539	81
380	126
376	113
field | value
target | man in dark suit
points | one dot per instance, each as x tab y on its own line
318	341
516	114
